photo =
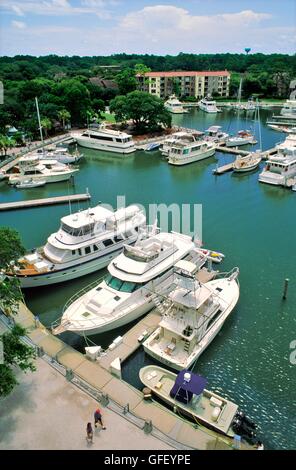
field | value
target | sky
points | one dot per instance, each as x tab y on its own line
104	27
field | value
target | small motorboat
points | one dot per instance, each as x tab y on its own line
247	163
30	183
186	393
214	256
152	146
242	138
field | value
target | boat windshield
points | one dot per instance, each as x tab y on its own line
122	286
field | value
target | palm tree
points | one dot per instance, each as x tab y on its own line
65	116
46	125
6	143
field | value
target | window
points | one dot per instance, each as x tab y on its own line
73	252
119	140
122	286
108	242
118	239
87	250
214	318
95	248
79	251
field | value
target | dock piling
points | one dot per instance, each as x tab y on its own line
126	409
285	288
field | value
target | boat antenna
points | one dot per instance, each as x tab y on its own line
39	122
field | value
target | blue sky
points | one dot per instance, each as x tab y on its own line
103	27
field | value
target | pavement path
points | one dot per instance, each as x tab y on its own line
47	412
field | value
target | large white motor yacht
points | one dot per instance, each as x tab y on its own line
279	168
289	109
173	105
108	140
34	168
208	105
129	290
184	135
86	242
183	152
215	134
193	315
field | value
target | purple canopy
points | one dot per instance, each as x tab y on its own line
183	390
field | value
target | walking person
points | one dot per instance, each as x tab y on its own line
98	418
89	433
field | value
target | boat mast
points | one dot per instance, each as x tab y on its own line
39	121
259	124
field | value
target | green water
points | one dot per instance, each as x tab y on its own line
252	224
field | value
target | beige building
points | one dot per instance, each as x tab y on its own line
198	84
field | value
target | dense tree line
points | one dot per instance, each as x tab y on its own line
63	87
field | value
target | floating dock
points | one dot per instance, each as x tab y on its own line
7	206
223	169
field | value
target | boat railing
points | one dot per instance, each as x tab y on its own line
82	291
230	275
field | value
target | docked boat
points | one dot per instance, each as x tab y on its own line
186	136
182	152
31	167
30	183
242	138
186	393
215	134
289	109
208	105
278	128
250	105
86	242
105	139
136	278
61	155
250	162
194	315
288	146
279	169
173	105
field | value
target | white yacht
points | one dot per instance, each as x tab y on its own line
215	134
242	138
129	290
186	136
289	109
194	314
250	105
173	105
289	144
86	242
105	139
34	168
208	105
182	153
279	168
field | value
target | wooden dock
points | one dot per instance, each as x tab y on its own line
223	169
7	206
233	150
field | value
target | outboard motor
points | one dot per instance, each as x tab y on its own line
246	420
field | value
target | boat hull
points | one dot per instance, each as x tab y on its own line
104	147
47	178
195	158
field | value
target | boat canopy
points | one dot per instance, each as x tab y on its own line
186	385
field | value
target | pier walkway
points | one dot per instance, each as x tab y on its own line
118	395
7	206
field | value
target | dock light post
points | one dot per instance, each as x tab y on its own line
105	399
148	427
69	374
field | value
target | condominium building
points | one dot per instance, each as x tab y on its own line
198	84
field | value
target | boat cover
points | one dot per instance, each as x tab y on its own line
184	390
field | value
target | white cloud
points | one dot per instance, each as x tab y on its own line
18	24
57	7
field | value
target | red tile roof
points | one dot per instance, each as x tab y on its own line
183	73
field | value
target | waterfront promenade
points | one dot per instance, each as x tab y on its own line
47	412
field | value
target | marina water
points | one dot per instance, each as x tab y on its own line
253	224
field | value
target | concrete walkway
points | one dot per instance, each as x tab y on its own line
47	412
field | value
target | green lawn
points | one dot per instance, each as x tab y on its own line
108	117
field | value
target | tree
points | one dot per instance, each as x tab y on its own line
6	143
142	69
65	116
46	125
16	354
146	111
126	81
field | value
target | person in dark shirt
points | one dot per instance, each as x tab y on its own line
98	418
